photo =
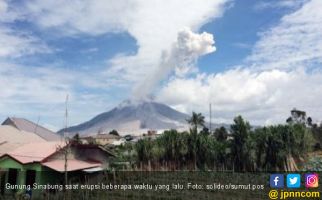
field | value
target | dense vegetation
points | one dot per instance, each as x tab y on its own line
241	148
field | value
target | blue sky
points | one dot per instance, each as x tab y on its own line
251	59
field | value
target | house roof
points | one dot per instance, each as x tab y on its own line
72	165
43	152
93	146
35	152
11	138
5	147
26	125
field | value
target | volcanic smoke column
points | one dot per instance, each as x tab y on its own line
180	59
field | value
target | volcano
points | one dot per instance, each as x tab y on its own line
133	117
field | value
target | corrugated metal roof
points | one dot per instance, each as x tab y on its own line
5	147
26	125
35	152
72	165
41	152
11	138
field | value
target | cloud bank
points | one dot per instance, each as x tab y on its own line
153	24
158	28
264	97
295	41
282	72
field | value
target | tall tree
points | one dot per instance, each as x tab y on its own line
144	151
240	132
197	120
114	132
221	134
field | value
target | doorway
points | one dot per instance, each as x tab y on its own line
2	182
12	177
30	177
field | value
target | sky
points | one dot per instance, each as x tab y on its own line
258	59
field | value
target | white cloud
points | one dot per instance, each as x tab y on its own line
33	92
3	6
32	85
14	44
261	97
153	24
278	4
6	12
295	41
80	16
282	72
155	27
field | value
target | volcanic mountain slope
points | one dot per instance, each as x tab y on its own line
133	118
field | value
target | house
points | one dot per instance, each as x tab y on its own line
28	126
44	163
152	132
103	139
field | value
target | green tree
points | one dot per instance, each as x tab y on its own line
144	151
260	138
114	132
77	139
176	147
240	132
222	160
221	134
197	120
206	151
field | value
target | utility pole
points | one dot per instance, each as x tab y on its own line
210	117
66	148
37	124
66	116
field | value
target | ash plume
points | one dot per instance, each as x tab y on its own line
180	60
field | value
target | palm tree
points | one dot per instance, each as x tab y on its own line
196	120
192	144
